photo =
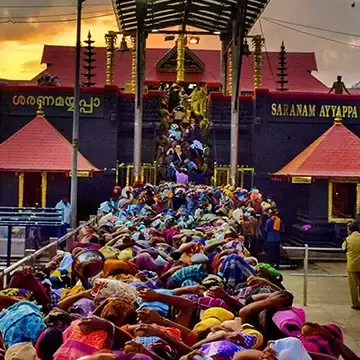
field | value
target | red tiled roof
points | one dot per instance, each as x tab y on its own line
335	154
60	61
38	146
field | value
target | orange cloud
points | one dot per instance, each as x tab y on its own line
24	48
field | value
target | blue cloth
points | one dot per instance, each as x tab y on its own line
161	307
189	283
147	341
115	203
66	262
199	240
21	322
235	269
271	234
192	272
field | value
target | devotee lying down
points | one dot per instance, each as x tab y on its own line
168	272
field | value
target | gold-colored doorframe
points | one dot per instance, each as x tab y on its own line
223	171
20	189
21	178
331	218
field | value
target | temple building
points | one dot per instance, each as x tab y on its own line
327	175
201	66
35	162
275	125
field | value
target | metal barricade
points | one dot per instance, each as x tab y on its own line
50	249
30	220
148	173
306	274
245	176
221	175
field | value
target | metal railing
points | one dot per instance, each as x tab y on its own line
50	248
306	274
124	174
30	216
222	176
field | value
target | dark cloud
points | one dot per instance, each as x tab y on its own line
332	58
47	31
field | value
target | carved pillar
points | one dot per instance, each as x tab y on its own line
180	68
258	43
230	71
110	39
133	64
224	66
21	190
43	188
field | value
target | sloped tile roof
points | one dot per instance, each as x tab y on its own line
38	146
335	154
60	61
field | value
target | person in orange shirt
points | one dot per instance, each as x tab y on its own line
273	229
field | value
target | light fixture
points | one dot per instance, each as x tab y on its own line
194	40
217	33
155	30
123	45
169	37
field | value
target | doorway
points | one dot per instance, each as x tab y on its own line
32	189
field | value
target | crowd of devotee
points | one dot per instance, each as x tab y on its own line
183	153
168	272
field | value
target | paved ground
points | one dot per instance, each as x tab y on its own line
328	299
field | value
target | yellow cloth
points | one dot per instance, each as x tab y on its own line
250	330
21	351
213	317
73	291
109	252
354	285
352	247
126	254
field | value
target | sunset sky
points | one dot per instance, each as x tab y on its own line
21	44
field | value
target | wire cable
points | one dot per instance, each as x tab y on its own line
47	6
313	35
267	54
46	16
53	21
310	27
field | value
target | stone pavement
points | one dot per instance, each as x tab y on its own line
328	299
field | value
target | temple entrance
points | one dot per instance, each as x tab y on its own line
32	189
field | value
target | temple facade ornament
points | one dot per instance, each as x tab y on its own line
89	60
258	42
110	40
282	69
229	72
180	68
133	63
